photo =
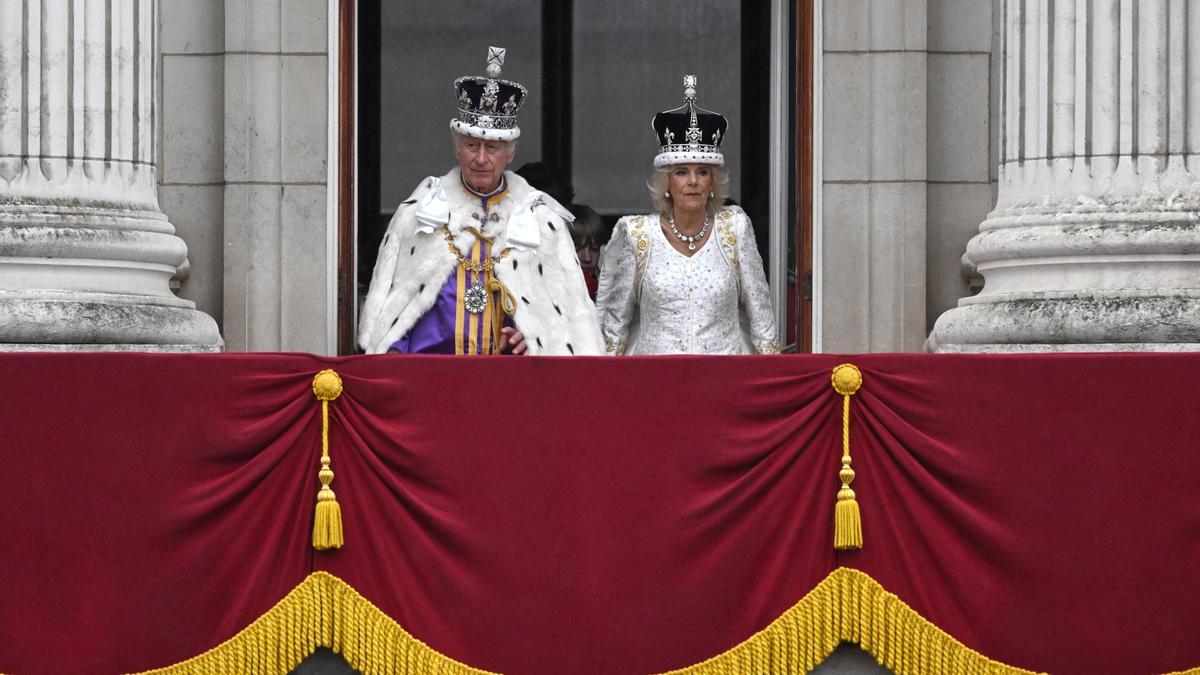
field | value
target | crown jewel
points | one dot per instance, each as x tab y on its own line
488	105
689	134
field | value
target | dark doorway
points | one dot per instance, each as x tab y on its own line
597	72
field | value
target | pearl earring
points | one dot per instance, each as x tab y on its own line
711	195
666	195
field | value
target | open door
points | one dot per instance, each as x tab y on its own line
597	72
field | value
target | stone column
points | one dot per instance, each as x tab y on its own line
86	255
1094	243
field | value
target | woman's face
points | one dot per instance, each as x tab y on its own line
690	185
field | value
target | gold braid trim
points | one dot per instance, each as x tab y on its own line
323	611
850	606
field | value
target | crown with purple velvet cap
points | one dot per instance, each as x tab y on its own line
487	105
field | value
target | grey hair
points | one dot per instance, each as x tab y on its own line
510	147
660	181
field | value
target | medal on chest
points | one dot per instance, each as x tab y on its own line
476	298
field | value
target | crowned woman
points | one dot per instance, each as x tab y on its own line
686	279
477	261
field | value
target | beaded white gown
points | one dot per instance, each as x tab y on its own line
655	300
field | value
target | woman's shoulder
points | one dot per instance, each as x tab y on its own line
633	223
732	214
635	217
732	220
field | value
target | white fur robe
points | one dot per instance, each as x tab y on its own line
554	311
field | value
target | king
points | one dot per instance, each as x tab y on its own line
476	261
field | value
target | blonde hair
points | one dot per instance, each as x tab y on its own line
660	181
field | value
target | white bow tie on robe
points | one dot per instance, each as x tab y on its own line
433	210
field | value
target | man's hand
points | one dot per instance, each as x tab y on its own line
512	341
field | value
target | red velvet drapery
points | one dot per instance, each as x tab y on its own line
600	515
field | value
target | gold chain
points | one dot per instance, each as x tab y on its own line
467	263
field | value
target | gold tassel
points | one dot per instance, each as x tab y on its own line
847	521
327	523
506	305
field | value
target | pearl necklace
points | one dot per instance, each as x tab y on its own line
691	240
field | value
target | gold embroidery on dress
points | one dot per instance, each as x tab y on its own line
727	237
642	246
768	347
616	347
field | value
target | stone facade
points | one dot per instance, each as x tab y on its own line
245	165
874	169
86	255
1073	128
1094	243
907	164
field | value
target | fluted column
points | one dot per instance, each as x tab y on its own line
86	255
1094	243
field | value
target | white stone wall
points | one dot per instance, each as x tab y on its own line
874	175
1094	243
964	85
244	144
86	256
191	126
909	158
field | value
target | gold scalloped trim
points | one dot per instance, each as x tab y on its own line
850	606
847	606
323	611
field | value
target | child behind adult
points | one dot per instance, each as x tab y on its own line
590	235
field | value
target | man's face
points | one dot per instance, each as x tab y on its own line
482	162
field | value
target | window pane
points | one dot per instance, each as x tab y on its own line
629	61
424	47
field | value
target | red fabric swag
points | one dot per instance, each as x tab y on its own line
599	515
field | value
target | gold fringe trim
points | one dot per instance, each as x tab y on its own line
847	606
850	606
323	611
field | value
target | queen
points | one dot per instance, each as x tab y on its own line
686	279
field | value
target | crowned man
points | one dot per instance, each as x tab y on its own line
477	261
